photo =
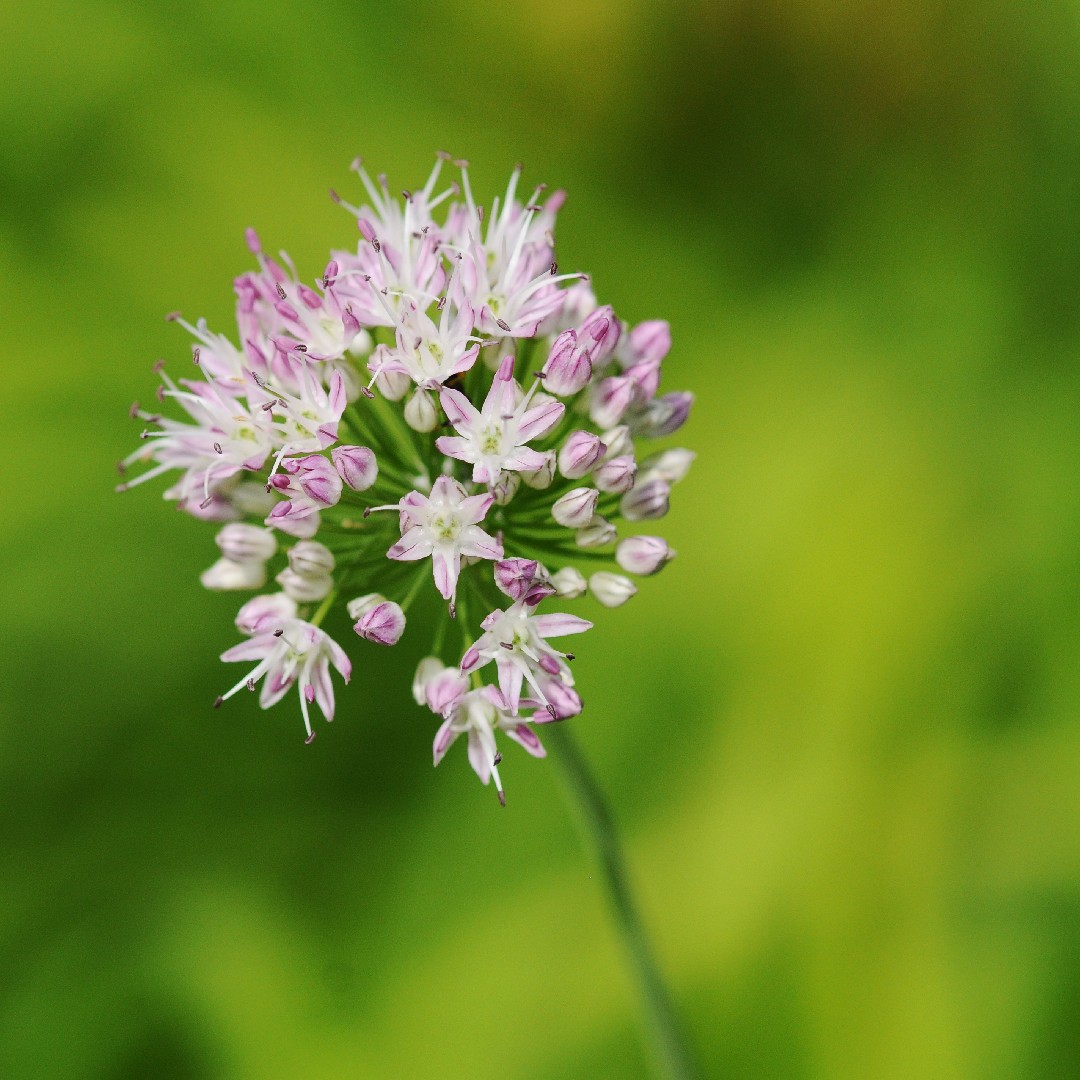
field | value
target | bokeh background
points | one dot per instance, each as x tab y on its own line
840	732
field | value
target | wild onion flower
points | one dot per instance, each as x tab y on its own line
440	408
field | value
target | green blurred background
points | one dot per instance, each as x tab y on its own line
840	731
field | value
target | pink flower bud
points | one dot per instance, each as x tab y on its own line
646	501
541	478
597	533
420	412
650	341
581	451
311	559
618	441
514	576
670	465
569	583
576	508
304	588
384	623
610	400
426	670
599	334
666	415
568	368
265	614
616	474
296	519
611	590
643	555
318	478
246	543
227	576
356	465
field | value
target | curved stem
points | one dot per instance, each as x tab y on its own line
594	819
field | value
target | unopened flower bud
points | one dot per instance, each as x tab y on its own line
611	590
541	478
599	334
304	588
426	670
670	465
246	543
581	451
568	368
228	576
610	400
317	477
616	474
597	533
384	623
618	441
646	501
295	519
311	559
264	614
420	412
576	508
356	465
362	604
569	583
251	498
649	342
665	415
643	555
506	487
514	576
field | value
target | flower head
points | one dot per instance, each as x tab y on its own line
441	371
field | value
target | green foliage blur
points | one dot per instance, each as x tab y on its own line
840	731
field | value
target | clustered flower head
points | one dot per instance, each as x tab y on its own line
440	406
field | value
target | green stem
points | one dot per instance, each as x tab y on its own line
590	808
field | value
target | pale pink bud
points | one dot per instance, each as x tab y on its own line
362	604
670	465
246	543
643	555
356	465
599	334
568	368
264	614
610	400
597	533
581	451
505	487
426	670
666	414
650	341
618	441
317	477
576	508
420	412
541	478
616	474
304	588
228	576
294	519
646	501
514	576
569	583
311	559
611	590
384	623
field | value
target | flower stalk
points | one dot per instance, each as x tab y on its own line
592	815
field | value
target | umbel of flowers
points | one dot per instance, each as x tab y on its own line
441	407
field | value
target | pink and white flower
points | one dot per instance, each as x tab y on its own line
293	653
516	639
444	525
492	439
